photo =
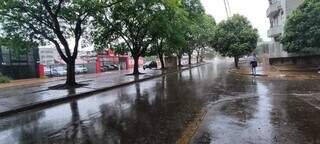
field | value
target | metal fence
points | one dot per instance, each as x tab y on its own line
19	65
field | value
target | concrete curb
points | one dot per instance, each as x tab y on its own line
53	102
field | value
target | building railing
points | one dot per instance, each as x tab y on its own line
275	31
273	8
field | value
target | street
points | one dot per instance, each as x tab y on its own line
218	107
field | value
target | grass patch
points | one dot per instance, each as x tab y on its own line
4	79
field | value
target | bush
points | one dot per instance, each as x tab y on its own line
4	79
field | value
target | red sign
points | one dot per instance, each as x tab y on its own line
41	71
98	65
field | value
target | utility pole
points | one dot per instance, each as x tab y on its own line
230	13
227	7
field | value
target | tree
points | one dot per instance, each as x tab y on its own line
121	48
160	31
131	22
235	37
176	30
164	30
176	43
302	28
54	21
195	12
206	34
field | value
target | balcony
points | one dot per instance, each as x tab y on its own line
275	31
273	9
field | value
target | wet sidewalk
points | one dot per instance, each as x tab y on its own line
264	112
24	97
285	72
245	69
38	81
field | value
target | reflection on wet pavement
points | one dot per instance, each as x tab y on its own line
275	115
154	111
11	98
241	110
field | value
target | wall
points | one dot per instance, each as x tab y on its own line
292	5
276	50
312	61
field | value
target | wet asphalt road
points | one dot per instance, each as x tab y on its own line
240	109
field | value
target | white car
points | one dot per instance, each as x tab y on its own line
58	71
47	71
81	69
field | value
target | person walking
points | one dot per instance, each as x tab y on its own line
253	63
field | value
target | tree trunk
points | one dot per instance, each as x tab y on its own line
202	53
179	61
189	58
198	54
136	66
236	61
160	53
161	60
201	58
71	79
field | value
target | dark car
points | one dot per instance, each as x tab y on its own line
109	67
150	65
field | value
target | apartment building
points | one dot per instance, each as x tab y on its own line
277	13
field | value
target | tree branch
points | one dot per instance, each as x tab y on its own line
57	29
64	58
78	33
121	35
58	7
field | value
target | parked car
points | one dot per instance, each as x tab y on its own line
150	65
81	69
109	67
58	71
47	71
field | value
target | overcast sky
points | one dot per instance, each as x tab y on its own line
254	10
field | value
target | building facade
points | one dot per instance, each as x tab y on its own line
277	13
124	60
48	56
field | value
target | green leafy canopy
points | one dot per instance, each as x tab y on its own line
235	37
302	29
